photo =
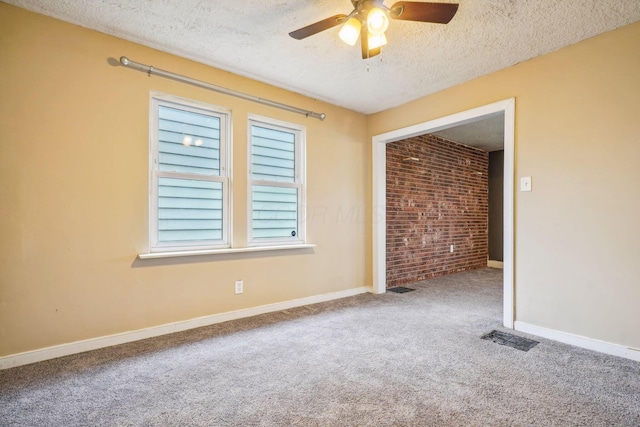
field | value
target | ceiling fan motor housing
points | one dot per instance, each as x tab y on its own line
362	8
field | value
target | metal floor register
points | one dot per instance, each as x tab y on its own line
510	340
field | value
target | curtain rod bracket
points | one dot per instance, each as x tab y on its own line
188	80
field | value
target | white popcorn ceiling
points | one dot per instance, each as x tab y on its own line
250	38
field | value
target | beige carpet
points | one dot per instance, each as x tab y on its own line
413	359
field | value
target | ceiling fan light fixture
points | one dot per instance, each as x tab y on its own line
350	31
369	20
377	21
376	41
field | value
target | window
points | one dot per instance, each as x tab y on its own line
189	206
276	184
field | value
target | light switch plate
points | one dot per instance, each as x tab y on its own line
525	183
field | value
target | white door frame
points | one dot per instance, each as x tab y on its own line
379	192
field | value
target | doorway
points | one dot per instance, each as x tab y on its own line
507	108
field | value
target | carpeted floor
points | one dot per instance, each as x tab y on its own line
412	359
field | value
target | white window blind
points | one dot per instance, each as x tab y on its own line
277	182
189	195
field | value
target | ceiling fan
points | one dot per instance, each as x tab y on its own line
370	19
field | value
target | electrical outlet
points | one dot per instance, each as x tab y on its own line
239	286
451	248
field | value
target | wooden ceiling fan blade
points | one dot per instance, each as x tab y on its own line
374	52
318	27
439	13
364	43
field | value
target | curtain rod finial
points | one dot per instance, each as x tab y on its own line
124	60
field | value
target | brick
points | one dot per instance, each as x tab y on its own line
433	203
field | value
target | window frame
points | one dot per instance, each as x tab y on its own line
158	99
299	183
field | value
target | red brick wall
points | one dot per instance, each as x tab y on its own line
438	201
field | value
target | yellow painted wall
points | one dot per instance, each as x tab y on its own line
577	234
74	188
74	150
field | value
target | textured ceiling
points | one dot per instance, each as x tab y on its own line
486	133
250	38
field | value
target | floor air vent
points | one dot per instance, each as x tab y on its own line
400	289
510	340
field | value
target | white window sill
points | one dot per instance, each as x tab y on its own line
224	251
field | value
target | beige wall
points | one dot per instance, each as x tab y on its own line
577	234
74	184
74	190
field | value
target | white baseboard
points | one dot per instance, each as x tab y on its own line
53	352
495	264
579	341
